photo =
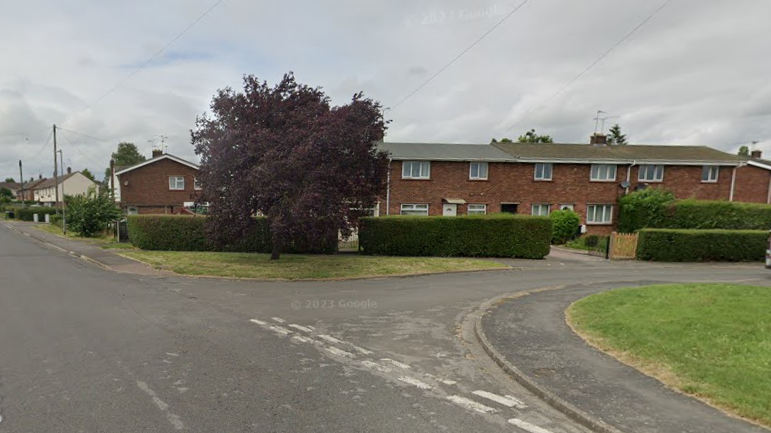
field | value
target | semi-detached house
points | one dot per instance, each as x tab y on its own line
536	179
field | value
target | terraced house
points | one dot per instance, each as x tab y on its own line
536	179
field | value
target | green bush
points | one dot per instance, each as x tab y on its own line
565	225
91	213
26	213
641	209
669	245
474	236
56	220
699	214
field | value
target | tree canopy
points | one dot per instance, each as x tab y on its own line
10	180
744	151
86	172
126	155
531	137
285	153
616	137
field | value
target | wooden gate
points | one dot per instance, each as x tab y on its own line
623	246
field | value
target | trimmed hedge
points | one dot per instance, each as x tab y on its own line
669	245
473	236
26	213
188	233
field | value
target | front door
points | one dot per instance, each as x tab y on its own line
450	209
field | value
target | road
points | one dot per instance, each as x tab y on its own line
83	349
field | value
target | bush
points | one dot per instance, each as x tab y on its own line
26	213
641	209
668	245
474	236
90	214
696	214
565	225
57	220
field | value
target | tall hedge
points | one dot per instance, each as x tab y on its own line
188	233
474	236
670	245
26	213
642	209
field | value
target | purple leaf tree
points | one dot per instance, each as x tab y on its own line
284	152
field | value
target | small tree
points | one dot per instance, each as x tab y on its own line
645	208
88	174
565	225
91	213
6	196
10	180
503	140
532	137
744	151
616	137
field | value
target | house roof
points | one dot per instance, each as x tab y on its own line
33	184
13	186
47	183
445	152
757	162
154	160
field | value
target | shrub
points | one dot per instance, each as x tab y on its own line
26	213
670	245
700	214
57	220
90	214
565	225
641	209
475	236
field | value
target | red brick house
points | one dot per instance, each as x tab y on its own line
535	179
164	184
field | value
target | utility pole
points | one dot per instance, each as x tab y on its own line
112	179
21	176
64	213
56	171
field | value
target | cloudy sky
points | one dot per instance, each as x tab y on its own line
697	73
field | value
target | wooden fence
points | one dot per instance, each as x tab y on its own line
623	246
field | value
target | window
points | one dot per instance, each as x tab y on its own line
478	171
543	172
599	214
709	173
414	209
651	173
603	173
477	209
541	209
197	184
177	182
566	206
416	169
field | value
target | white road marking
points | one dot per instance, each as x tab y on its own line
448	382
278	319
281	330
330	339
527	426
376	366
470	404
415	382
301	328
397	363
507	401
339	352
259	322
168	353
302	339
173	419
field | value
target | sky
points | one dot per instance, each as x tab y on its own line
696	73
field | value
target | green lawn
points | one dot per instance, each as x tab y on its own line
303	267
105	241
709	340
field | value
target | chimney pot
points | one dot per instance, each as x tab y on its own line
757	154
157	153
598	140
69	170
40	177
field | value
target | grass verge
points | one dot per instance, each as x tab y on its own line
303	267
712	341
105	241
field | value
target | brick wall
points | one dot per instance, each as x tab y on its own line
515	183
148	187
752	184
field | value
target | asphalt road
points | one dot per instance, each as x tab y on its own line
83	349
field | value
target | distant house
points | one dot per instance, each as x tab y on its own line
27	192
165	184
11	186
71	183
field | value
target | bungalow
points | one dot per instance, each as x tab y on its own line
164	184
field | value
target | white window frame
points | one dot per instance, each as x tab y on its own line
414	208
480	209
543	166
424	169
197	184
710	170
174	183
645	170
480	166
606	214
540	207
569	206
597	172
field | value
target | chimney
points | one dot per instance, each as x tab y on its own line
598	140
39	177
69	170
756	154
157	153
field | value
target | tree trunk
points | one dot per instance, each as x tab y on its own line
276	253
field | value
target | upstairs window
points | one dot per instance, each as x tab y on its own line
543	171
416	169
177	183
478	171
709	173
603	173
651	173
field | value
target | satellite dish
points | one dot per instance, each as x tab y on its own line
625	185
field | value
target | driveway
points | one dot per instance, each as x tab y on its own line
87	349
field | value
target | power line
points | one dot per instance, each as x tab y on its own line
593	64
76	148
50	134
425	83
153	57
82	135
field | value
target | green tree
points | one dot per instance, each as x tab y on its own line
744	151
10	180
531	137
127	154
565	225
616	137
86	172
91	213
503	140
6	196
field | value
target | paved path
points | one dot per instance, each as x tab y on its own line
531	333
